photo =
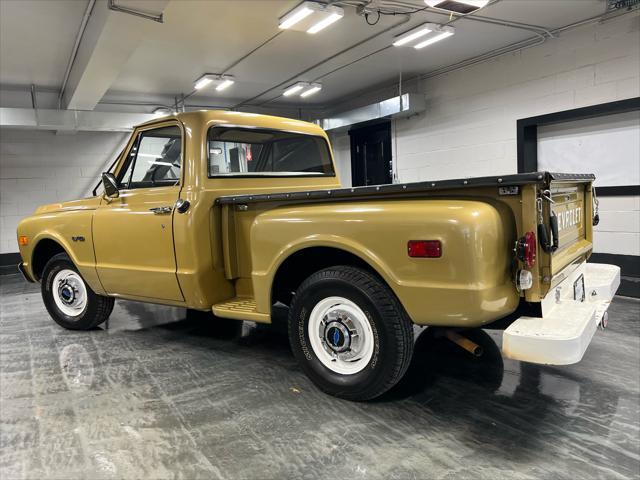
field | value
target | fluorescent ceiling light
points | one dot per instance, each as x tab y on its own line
313	88
225	82
444	33
293	89
414	33
311	17
334	17
457	6
296	15
203	81
221	82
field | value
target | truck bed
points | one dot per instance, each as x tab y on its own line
411	189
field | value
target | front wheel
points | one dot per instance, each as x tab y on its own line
350	333
69	300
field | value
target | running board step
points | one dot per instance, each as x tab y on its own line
240	308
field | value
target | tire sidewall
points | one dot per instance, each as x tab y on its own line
325	378
51	269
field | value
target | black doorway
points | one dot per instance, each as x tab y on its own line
371	155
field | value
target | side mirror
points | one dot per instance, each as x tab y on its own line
110	185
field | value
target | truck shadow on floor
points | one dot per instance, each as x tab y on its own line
514	409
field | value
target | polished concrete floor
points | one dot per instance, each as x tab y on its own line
159	395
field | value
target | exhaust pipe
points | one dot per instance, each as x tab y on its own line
471	347
604	321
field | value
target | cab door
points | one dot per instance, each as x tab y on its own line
133	234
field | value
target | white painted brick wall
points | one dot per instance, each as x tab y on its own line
39	167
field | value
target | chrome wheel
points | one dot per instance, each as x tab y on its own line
69	293
341	335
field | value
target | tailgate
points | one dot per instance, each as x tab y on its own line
572	206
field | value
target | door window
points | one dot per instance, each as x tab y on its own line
155	159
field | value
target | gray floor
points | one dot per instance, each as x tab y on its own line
158	395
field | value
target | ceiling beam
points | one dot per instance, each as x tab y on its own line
109	40
71	121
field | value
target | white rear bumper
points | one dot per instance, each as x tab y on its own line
567	325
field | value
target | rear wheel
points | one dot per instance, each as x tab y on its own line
350	333
68	299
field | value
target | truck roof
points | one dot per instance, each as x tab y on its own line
244	119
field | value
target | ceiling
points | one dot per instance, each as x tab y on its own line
37	38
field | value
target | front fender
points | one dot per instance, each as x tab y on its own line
71	229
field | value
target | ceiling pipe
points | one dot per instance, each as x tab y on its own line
236	62
147	16
322	62
479	18
524	44
74	51
34	97
387	47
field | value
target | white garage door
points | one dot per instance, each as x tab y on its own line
609	147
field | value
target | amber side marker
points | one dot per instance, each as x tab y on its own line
23	240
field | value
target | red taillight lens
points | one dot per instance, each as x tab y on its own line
425	248
526	249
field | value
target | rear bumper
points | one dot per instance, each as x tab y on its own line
567	326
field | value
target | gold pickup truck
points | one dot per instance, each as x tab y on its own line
231	213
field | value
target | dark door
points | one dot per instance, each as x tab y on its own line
371	155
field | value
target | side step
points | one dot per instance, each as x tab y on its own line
240	308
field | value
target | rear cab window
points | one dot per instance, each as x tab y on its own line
254	152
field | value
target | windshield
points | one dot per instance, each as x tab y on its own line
256	152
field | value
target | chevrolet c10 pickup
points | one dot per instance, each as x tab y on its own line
233	213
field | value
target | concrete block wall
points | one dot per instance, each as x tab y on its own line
39	167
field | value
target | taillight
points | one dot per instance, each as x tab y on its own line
526	249
425	248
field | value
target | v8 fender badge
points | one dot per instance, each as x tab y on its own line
78	238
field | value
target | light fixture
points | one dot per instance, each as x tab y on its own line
296	15
311	16
225	82
203	81
322	24
463	7
295	88
221	82
414	33
313	88
443	33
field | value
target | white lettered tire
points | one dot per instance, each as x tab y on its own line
350	333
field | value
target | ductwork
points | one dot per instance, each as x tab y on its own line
396	107
71	120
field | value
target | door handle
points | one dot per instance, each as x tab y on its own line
161	210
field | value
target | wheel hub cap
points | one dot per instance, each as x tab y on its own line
340	335
337	337
69	293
